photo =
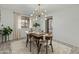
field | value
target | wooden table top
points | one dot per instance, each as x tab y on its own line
39	34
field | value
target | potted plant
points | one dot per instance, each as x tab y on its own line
36	25
6	32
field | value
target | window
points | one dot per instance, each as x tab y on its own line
23	22
49	24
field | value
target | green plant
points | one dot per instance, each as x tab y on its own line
7	30
36	25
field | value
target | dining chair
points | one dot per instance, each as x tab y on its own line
45	40
30	39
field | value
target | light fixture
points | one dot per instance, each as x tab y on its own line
38	12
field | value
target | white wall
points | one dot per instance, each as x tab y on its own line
66	25
8	19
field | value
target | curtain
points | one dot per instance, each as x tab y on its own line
16	30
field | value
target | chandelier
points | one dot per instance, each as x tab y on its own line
39	11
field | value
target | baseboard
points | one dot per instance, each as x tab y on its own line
17	39
64	43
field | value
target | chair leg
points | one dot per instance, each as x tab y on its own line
51	47
51	44
38	46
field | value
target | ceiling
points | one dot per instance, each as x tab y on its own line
28	8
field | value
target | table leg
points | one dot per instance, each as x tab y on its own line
27	40
30	44
46	46
38	47
51	44
37	44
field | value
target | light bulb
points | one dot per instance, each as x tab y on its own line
45	10
42	13
45	19
45	15
35	9
31	14
36	18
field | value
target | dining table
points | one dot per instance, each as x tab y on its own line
39	37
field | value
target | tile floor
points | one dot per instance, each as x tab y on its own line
19	47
